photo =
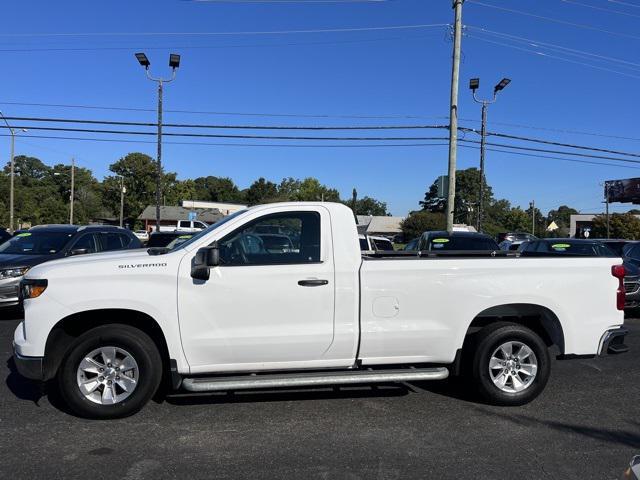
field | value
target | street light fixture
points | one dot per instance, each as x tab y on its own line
12	169
174	63
474	84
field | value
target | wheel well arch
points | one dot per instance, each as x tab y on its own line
538	318
64	332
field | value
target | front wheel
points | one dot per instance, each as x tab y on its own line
110	371
511	364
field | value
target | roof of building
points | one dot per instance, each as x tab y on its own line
207	215
380	224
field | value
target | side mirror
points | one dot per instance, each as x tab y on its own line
78	251
205	258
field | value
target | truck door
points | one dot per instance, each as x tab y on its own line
270	304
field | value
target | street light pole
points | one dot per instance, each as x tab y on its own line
121	200
474	83
12	170
73	186
174	63
453	112
532	205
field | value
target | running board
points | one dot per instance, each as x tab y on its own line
312	379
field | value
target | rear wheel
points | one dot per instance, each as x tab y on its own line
511	364
110	371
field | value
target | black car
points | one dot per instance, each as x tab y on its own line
49	242
163	239
443	240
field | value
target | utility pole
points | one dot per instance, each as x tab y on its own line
122	191
532	206
453	112
73	186
474	83
174	63
606	201
12	170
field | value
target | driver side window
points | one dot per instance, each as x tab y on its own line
278	239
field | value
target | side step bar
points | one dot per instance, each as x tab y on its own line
247	382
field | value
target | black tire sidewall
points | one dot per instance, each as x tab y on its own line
130	339
488	343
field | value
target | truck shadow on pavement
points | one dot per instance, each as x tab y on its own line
628	438
299	394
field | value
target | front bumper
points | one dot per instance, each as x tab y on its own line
29	367
612	341
9	292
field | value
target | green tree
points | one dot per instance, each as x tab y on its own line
261	191
419	222
368	206
216	189
516	220
622	225
562	217
139	173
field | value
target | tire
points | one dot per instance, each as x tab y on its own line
531	364
123	353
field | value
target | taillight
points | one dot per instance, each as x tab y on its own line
618	271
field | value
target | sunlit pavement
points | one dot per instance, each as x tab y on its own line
585	425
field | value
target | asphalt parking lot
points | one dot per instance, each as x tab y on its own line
585	425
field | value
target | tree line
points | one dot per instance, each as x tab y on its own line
42	192
500	216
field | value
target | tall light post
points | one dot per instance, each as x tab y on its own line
174	63
123	190
474	83
12	169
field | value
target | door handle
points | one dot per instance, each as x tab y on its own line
312	283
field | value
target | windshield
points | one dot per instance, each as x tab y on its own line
36	243
210	229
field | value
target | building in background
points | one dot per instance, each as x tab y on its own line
225	208
379	225
170	216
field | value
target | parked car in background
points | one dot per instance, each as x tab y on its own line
49	242
276	243
412	245
443	240
373	243
163	239
184	226
142	235
515	236
510	245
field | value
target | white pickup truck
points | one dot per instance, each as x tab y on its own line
229	310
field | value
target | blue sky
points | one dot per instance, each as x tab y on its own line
386	73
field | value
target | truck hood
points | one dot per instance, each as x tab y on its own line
119	258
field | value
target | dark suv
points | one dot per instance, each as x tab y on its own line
49	242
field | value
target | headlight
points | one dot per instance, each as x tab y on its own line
13	272
32	288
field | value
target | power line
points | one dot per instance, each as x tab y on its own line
297	128
573	160
299	2
293	145
201	112
554	56
625	3
602	9
204	47
211	135
236	127
556	20
551	46
542	150
560	144
201	34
